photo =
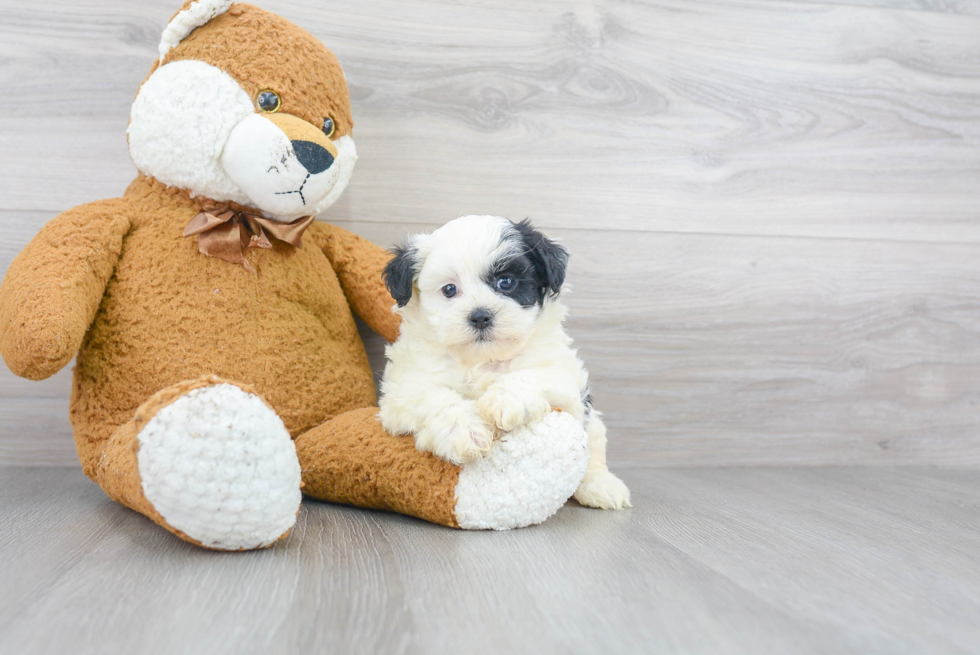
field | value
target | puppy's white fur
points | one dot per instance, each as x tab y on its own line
456	388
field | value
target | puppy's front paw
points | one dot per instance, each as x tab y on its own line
509	407
603	490
456	434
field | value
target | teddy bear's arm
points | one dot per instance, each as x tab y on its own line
53	288
359	264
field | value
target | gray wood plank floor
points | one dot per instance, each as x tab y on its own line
773	207
817	560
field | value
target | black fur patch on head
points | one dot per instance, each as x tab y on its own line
399	273
537	271
525	283
549	259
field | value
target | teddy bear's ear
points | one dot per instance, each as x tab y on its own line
192	15
400	272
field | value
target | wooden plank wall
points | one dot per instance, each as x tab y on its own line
773	206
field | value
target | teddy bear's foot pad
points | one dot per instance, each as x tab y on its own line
219	466
528	475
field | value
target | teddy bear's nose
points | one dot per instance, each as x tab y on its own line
314	157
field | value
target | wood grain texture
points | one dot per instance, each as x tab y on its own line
745	117
965	7
773	206
730	350
785	561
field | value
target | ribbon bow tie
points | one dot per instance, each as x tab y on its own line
227	234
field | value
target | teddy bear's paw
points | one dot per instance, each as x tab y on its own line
456	434
510	406
527	477
603	490
219	466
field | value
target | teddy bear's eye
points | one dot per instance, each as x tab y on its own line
268	101
328	126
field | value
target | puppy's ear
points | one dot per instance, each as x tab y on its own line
549	258
399	273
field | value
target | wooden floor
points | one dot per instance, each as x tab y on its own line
773	210
783	561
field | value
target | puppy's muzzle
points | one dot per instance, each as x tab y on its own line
481	319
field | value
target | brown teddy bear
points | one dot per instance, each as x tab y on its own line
211	316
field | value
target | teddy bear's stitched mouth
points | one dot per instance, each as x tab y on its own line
299	190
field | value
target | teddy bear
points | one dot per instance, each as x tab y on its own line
219	371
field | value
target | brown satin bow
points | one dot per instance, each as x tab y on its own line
227	234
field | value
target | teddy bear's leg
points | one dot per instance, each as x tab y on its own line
209	461
351	459
528	475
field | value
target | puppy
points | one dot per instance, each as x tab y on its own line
482	348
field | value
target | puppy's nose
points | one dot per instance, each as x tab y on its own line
481	318
312	156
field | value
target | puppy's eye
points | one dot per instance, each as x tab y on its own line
505	283
328	127
268	101
449	290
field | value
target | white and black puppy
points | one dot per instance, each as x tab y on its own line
482	348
